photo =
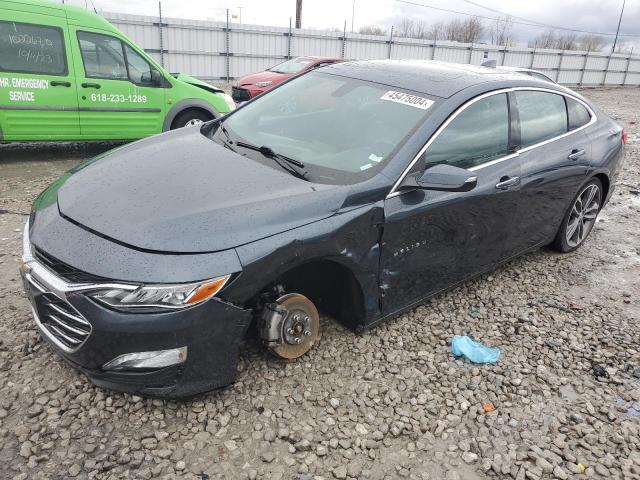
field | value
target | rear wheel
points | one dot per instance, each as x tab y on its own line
189	118
580	218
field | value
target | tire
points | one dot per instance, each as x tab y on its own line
579	219
189	118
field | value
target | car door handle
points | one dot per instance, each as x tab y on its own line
57	83
90	85
506	183
575	154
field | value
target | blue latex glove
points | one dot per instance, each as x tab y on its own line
474	351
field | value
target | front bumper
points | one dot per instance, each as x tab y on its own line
246	92
211	331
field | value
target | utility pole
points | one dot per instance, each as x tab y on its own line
615	40
298	13
240	15
353	14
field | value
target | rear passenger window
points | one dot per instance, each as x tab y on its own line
578	114
102	56
28	48
543	116
479	134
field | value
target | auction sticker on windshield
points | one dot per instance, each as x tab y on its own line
407	99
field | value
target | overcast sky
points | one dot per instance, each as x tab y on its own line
593	15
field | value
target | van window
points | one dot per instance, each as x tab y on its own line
479	134
139	68
578	114
29	48
102	56
543	116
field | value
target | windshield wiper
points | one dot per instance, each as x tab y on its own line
268	152
228	142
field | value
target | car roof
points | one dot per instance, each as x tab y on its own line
433	78
74	15
320	59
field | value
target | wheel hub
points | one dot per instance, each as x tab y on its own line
297	326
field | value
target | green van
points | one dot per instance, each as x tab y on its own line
68	74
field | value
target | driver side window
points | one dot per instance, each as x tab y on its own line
479	134
107	57
139	68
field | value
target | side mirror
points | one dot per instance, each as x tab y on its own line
444	178
154	77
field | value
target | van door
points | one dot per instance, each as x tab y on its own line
38	98
120	94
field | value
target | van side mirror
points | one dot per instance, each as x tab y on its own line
153	77
444	178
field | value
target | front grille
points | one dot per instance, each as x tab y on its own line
62	321
240	94
64	270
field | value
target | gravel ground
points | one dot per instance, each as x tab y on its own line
390	403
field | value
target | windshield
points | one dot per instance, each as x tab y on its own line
343	130
294	65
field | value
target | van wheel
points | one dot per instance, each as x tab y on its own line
189	118
291	326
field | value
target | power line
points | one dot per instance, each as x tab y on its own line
527	20
520	22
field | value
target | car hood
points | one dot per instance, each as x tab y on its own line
198	83
264	77
181	192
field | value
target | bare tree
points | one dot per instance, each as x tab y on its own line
406	28
591	43
546	40
420	29
436	32
372	30
568	41
466	31
624	48
500	31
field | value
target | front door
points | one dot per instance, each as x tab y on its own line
118	93
37	85
434	239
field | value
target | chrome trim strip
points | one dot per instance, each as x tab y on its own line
68	327
64	335
45	332
394	192
68	315
493	162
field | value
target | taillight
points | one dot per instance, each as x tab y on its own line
625	138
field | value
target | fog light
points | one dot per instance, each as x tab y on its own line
147	360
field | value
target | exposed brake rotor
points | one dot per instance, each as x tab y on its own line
297	323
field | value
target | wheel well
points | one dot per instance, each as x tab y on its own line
191	109
331	286
605	184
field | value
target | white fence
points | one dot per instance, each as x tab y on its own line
224	51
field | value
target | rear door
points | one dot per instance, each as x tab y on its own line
555	154
119	95
37	85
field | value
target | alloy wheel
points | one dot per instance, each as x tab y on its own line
192	122
583	215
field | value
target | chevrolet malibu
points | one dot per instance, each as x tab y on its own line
359	190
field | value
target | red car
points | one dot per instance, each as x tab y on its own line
254	84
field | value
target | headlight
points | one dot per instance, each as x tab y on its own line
263	84
153	297
229	101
